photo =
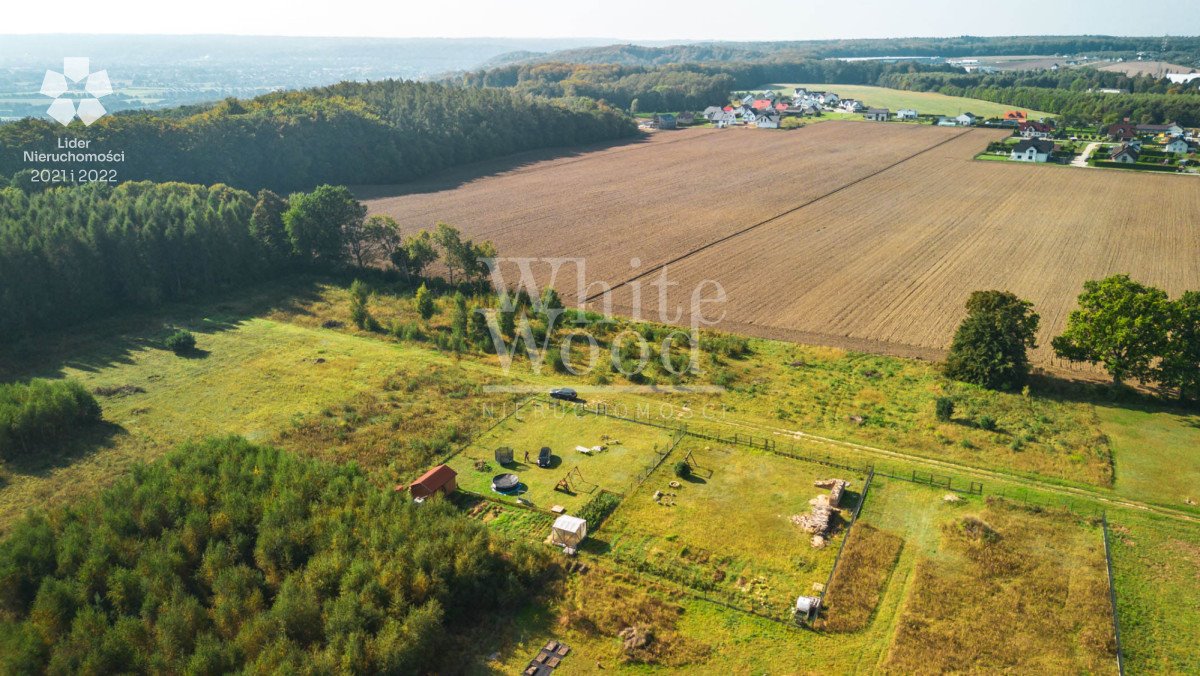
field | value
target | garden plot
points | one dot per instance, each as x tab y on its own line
624	450
1010	588
731	529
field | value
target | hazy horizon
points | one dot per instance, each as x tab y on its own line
618	21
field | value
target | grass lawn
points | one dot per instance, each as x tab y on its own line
302	388
1156	564
727	530
1155	452
926	103
630	449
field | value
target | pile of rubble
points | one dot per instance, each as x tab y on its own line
821	510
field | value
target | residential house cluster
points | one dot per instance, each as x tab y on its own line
1130	136
767	109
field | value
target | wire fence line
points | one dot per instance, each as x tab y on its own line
862	498
1112	596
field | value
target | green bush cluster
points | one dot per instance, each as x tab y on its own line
42	411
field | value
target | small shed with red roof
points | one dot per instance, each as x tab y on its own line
440	479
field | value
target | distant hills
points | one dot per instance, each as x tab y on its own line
1180	49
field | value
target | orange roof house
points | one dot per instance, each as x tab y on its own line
440	479
1017	115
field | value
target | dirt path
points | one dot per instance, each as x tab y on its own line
1082	159
976	472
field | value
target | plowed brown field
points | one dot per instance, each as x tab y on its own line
863	235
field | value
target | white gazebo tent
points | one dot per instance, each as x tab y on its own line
568	531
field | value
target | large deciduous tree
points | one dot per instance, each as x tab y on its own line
1179	368
990	346
1121	324
318	222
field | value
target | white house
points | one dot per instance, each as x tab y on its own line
852	105
906	114
1125	154
767	119
725	118
830	99
877	114
711	112
965	120
1032	150
1179	146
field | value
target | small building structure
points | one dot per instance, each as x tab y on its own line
711	113
1170	129
966	120
1179	146
1035	129
1125	154
877	114
767	119
568	532
1016	115
906	114
1032	150
664	121
440	479
947	122
1122	131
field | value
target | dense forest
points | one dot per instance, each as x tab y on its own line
227	556
353	133
72	254
1184	50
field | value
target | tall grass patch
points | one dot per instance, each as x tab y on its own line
859	579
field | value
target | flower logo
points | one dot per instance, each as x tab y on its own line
76	68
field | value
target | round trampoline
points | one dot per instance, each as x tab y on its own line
505	483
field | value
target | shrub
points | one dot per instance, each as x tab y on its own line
682	469
596	510
180	342
987	422
944	408
41	411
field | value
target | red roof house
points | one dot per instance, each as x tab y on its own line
1017	115
760	104
1123	131
440	479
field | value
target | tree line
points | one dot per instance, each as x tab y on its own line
676	86
1132	330
226	556
353	133
1152	101
71	254
1182	50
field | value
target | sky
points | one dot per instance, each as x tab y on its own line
617	19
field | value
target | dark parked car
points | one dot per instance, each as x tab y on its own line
564	393
544	457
